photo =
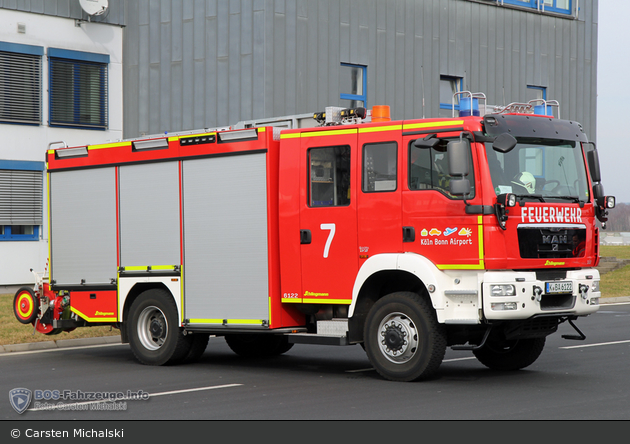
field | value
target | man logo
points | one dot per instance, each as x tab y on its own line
20	399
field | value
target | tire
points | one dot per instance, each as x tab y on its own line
153	329
259	345
510	355
25	305
403	339
198	346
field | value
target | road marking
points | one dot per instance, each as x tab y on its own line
595	345
151	395
459	359
30	352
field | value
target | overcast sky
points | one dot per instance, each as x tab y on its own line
613	97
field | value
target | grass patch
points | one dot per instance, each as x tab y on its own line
12	332
618	251
616	283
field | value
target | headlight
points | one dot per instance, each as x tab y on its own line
595	286
502	290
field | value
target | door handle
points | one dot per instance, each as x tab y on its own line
305	237
409	234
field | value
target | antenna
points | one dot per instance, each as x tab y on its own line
94	7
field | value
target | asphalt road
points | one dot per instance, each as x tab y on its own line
572	380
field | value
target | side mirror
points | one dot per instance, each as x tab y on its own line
593	166
458	153
459	187
504	143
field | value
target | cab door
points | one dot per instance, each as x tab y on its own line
328	216
380	226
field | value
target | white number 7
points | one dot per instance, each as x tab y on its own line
330	227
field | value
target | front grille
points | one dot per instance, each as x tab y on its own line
557	302
549	243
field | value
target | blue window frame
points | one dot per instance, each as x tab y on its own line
353	85
449	85
558	6
78	89
21	200
20	83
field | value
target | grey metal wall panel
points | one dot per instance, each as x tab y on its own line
225	238
115	14
149	214
83	238
232	60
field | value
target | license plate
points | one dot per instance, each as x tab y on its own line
559	287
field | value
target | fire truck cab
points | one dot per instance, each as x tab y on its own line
476	232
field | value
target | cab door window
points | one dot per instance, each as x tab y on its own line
428	170
329	176
379	167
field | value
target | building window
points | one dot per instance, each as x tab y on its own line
449	85
329	176
353	85
21	199
78	89
380	162
559	6
20	83
536	93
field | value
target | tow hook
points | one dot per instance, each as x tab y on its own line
584	291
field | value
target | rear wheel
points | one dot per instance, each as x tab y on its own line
403	338
510	355
198	346
258	345
153	329
25	305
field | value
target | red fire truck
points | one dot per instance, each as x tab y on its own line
476	232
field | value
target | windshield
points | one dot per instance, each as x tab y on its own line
541	170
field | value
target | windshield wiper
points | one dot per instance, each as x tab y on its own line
575	199
531	196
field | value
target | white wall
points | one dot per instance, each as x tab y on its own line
24	142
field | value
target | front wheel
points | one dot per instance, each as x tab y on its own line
510	355
403	338
153	329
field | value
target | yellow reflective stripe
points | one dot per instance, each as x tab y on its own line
444	123
227	321
261	129
329	133
89	319
374	129
480	228
290	136
326	301
153	267
108	145
292	300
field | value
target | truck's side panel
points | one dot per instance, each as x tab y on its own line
149	215
83	226
225	240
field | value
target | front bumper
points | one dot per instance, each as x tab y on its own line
576	294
